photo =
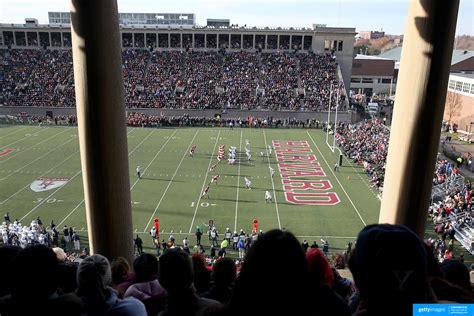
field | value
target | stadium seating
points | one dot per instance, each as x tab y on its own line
182	80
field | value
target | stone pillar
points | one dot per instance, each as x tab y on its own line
102	131
418	111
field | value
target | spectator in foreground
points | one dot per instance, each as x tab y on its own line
202	276
7	255
146	288
389	266
94	278
322	282
271	281
176	276
34	287
122	278
224	274
457	273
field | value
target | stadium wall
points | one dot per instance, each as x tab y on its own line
320	116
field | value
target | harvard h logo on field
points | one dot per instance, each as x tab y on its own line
45	184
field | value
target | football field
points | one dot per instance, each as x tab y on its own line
40	175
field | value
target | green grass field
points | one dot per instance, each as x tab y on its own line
172	183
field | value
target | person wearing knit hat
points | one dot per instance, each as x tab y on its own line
389	266
321	279
94	278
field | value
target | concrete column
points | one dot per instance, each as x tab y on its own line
217	40
418	111
242	41
98	82
192	38
181	40
50	42
278	42
253	35
266	39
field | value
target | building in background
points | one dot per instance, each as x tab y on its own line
372	75
459	107
184	19
218	22
371	34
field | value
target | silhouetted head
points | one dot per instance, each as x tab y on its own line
7	256
175	271
146	268
120	269
389	267
457	273
276	266
320	272
35	271
224	272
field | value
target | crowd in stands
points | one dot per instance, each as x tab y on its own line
278	276
444	171
138	119
181	80
366	144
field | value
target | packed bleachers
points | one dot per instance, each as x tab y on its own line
181	80
366	143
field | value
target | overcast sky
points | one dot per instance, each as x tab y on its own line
387	15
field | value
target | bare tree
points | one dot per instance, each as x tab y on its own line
453	105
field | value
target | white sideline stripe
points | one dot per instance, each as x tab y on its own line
21	129
365	182
45	154
163	146
133	150
192	234
43	174
238	183
171	180
19	140
273	184
204	182
29	148
353	205
49	196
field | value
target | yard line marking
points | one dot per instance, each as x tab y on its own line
130	153
238	183
19	140
171	180
273	184
49	196
204	182
31	147
43	174
21	129
332	171
45	154
163	146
